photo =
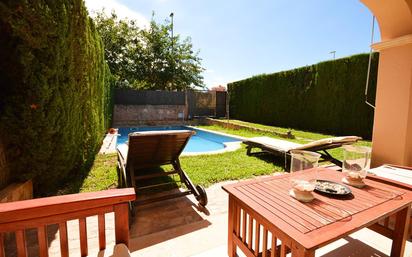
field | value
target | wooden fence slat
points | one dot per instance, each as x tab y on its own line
42	240
102	232
121	220
2	254
64	243
21	243
83	237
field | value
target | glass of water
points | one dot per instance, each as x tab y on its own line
303	183
356	163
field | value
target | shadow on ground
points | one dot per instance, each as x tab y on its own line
355	248
160	221
279	161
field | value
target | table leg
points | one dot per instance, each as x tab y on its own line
231	248
299	251
401	232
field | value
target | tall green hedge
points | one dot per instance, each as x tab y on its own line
327	97
55	90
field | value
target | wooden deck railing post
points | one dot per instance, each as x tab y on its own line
83	237
102	232
64	243
42	239
121	220
21	243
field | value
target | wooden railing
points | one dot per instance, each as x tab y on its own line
16	217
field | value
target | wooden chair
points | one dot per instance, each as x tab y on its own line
152	149
17	217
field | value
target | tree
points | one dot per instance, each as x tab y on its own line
122	47
148	58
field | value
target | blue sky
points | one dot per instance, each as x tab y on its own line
239	39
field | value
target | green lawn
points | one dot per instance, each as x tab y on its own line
299	134
103	174
205	169
209	169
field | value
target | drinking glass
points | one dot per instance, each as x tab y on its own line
303	183
356	161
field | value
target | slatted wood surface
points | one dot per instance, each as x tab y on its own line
151	149
17	217
267	220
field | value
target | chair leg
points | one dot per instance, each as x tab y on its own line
327	157
198	191
249	150
184	178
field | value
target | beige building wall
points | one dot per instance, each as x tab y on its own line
392	132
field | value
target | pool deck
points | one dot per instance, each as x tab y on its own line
109	144
180	228
110	140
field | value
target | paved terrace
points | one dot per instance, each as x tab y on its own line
178	228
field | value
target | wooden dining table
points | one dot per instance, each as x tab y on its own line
264	220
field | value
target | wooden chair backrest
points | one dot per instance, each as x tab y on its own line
151	149
16	217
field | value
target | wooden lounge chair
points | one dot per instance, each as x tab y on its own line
152	149
283	148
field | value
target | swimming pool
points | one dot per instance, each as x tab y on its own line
202	142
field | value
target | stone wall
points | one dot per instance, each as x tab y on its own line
148	114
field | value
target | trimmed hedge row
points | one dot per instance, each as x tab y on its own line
327	97
56	90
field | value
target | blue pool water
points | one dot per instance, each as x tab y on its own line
202	141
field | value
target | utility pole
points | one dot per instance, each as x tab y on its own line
171	16
333	52
172	50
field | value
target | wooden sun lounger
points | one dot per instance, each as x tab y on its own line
283	147
148	150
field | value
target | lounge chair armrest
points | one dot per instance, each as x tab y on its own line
121	164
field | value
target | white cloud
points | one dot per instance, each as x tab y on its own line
121	10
